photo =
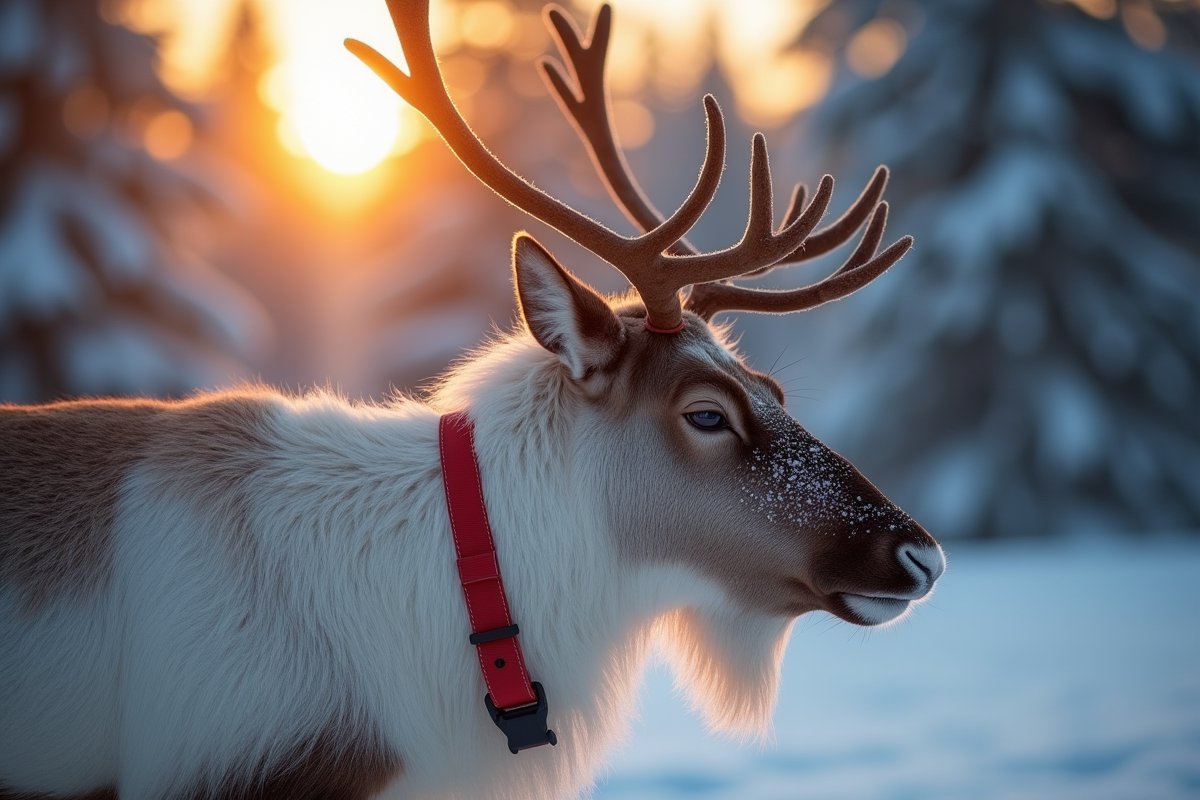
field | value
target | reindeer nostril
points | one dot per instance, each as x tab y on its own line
924	569
924	564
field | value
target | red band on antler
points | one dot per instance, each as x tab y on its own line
676	329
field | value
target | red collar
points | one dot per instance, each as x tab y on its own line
516	705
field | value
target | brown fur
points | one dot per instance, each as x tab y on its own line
766	560
62	465
336	765
99	794
209	451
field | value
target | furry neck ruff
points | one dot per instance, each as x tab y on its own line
516	704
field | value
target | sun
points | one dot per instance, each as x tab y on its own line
332	108
345	118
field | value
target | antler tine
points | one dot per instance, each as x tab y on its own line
759	246
588	111
839	232
870	242
795	205
671	230
859	270
836	233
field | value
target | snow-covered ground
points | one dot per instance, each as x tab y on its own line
1038	670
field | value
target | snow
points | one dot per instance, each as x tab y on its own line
804	482
1039	670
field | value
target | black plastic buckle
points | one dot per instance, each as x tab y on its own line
524	726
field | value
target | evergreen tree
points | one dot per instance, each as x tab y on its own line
98	294
1034	364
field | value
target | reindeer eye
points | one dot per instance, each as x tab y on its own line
707	420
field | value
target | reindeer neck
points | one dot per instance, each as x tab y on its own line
584	613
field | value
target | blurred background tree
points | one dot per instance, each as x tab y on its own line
99	291
1033	365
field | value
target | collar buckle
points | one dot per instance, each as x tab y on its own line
525	726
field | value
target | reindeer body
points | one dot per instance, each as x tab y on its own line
247	595
251	596
244	588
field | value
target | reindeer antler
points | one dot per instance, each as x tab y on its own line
644	260
588	111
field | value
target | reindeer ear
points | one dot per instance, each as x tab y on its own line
565	315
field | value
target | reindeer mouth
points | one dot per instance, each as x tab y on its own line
924	564
866	609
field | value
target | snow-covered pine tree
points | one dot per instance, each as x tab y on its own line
1033	365
97	295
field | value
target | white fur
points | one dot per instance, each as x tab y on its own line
202	657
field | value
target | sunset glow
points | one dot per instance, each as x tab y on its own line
334	111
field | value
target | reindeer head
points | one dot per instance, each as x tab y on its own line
737	489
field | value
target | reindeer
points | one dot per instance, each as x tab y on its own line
251	595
